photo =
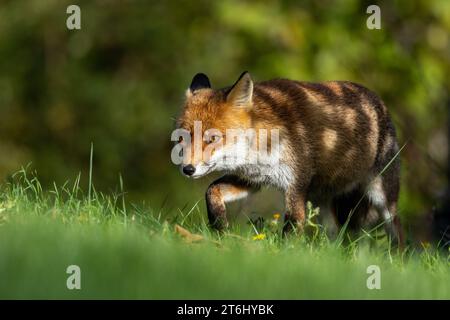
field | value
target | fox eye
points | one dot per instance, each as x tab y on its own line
213	138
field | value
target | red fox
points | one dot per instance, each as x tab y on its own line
337	147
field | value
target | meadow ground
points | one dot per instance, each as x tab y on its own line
126	251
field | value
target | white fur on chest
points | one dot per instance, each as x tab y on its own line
263	167
271	169
279	175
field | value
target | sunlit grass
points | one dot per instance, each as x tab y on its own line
132	251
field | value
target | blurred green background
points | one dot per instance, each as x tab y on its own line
119	82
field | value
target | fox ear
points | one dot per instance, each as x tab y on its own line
200	81
241	92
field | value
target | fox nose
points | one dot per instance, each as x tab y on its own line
189	170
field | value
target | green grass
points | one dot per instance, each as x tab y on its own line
134	252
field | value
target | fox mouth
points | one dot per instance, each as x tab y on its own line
208	170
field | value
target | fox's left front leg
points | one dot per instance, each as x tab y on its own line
295	211
225	189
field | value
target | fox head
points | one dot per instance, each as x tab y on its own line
209	122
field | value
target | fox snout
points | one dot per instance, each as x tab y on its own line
188	170
196	164
198	170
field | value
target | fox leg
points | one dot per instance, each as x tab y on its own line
384	203
225	189
395	228
295	212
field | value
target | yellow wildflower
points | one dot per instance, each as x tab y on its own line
276	216
259	236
